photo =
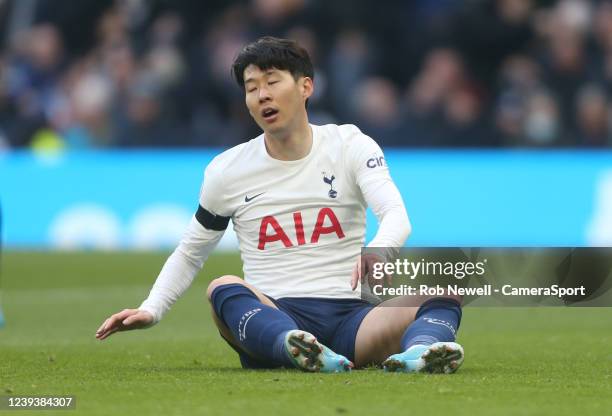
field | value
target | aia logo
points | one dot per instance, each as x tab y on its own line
278	234
332	192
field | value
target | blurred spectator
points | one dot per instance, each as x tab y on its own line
488	31
542	124
463	111
33	71
593	117
565	58
147	121
519	77
377	107
115	73
441	73
350	61
90	101
510	113
274	17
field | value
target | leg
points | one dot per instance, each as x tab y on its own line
250	322
228	280
391	328
254	326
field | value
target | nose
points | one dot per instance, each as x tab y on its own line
264	94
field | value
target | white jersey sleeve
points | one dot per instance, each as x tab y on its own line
380	193
201	237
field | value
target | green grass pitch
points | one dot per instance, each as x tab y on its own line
546	361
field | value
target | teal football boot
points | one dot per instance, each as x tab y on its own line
438	358
310	355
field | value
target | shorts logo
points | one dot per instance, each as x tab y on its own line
375	161
332	193
244	321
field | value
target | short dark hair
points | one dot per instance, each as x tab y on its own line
270	52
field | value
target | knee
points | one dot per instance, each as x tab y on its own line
220	281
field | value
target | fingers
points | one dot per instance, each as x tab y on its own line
106	334
102	326
103	333
114	323
361	271
130	320
388	279
364	269
138	320
367	271
372	281
369	261
355	274
106	329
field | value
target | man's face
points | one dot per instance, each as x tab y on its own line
274	98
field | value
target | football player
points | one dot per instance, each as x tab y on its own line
297	197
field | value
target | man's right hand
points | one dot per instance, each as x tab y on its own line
364	269
125	320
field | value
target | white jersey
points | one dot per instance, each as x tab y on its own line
300	224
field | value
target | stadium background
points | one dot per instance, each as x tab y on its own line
434	82
495	117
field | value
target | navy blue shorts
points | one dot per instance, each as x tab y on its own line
334	322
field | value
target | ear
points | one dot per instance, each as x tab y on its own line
307	87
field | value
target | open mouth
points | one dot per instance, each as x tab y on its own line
269	114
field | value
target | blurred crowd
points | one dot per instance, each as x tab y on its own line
419	73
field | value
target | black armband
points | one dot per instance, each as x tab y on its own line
211	221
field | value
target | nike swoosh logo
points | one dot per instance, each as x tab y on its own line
247	199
